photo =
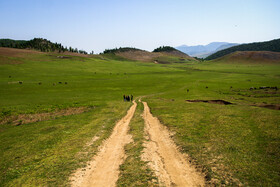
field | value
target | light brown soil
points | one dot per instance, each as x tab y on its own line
12	52
103	170
257	55
169	164
141	55
251	57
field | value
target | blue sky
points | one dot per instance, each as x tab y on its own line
145	24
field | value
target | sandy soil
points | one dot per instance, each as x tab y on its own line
103	170
171	167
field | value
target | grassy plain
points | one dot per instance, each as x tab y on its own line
233	144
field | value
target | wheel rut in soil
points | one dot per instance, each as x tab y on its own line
170	166
103	170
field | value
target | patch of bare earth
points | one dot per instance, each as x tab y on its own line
178	54
252	57
141	55
171	166
12	52
217	101
30	118
257	55
103	170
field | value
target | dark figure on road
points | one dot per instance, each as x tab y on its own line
131	98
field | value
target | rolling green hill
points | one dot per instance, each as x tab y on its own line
164	55
51	108
273	45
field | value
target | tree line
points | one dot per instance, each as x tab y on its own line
121	49
40	44
164	49
125	49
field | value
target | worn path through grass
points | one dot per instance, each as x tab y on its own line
103	170
169	164
134	171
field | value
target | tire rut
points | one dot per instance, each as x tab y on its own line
103	170
169	164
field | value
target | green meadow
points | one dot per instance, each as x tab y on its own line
237	144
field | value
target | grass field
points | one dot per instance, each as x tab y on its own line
233	144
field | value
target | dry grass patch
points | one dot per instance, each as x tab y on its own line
30	118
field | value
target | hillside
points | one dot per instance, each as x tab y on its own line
167	50
56	111
11	43
159	55
14	56
40	44
202	51
273	45
251	57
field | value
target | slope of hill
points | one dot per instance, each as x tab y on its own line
167	50
40	44
13	55
202	51
41	145
164	49
251	57
160	55
273	45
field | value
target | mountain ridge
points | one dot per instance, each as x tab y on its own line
202	51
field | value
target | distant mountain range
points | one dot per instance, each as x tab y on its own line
203	51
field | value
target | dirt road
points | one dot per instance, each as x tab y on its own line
103	170
171	167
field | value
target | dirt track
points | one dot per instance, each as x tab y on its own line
103	170
171	167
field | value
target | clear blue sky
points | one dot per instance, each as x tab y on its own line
146	24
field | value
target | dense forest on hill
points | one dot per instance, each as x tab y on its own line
273	45
164	49
41	44
121	49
